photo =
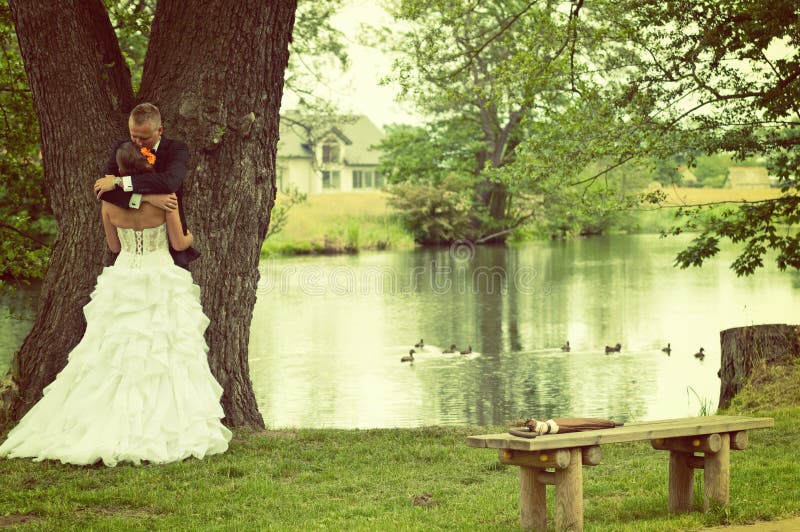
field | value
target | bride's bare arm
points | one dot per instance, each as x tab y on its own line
165	202
112	238
177	239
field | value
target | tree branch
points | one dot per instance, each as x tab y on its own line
24	235
607	170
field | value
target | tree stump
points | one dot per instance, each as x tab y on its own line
743	348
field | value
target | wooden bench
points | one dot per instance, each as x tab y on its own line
713	436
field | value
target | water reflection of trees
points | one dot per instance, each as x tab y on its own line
511	382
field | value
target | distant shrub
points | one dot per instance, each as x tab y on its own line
434	214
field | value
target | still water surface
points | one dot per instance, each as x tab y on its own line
328	333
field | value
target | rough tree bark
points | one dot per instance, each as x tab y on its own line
215	69
743	348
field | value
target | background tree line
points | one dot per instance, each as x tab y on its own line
546	114
554	112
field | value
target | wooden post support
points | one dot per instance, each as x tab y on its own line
716	479
681	481
692	444
591	455
569	494
532	499
697	462
558	458
739	440
548	478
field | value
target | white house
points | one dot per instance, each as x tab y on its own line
318	156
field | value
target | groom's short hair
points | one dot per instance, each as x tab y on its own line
146	112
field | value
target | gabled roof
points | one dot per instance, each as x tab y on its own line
357	132
339	133
293	141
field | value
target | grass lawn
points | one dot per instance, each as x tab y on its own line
340	222
401	479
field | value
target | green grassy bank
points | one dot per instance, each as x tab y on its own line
420	479
339	223
345	222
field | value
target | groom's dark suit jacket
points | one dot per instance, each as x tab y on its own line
172	158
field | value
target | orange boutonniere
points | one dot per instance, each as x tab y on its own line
150	156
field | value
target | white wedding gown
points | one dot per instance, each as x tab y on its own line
137	387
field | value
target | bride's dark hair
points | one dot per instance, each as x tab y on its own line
131	161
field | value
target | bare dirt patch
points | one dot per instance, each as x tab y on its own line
17	519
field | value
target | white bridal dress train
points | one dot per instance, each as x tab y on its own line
137	387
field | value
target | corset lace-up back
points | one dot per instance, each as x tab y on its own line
146	248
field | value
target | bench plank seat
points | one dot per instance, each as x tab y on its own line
647	430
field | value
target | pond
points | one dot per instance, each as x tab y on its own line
328	333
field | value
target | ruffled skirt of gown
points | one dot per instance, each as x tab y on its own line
138	386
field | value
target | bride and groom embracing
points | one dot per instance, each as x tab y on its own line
138	386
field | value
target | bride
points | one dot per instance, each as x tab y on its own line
137	387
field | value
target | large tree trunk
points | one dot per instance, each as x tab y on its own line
218	75
743	348
215	69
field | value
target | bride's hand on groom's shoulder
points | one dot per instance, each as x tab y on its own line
167	202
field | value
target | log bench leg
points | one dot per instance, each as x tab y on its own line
715	462
532	499
681	482
569	494
716	475
567	478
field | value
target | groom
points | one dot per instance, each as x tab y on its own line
157	188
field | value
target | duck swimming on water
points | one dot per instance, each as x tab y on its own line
565	347
409	357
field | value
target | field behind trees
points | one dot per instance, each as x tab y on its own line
702	196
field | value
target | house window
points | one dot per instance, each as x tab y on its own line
358	179
331	180
367	179
331	152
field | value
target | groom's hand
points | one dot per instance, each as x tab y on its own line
167	202
104	184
